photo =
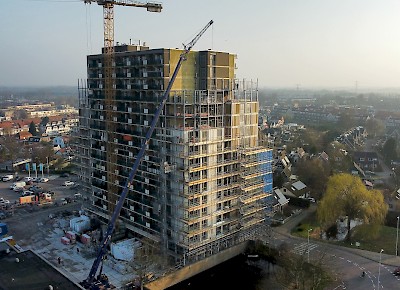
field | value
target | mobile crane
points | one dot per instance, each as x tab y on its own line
90	281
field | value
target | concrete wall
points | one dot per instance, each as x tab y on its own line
196	268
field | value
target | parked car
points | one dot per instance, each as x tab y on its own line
35	179
36	189
27	192
18	189
43	179
18	178
28	178
68	183
2	215
4	202
63	201
7	177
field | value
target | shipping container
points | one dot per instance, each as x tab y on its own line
27	199
65	241
85	239
71	235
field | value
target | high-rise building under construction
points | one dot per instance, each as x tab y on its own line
204	183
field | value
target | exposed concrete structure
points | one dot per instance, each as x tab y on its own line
205	184
196	268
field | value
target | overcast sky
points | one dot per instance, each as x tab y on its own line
314	43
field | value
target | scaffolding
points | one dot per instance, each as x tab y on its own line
202	184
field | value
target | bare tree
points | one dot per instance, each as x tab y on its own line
10	148
296	273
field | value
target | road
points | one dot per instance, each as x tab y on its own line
347	263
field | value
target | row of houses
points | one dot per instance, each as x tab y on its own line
332	114
56	126
39	110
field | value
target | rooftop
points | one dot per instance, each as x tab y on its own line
30	273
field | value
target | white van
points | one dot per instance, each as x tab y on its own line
19	184
8	177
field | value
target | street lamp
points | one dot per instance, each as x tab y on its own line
47	161
308	245
379	271
397	236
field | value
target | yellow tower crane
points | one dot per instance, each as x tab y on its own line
109	84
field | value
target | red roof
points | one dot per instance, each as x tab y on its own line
24	135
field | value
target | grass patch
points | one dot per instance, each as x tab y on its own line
310	222
372	238
384	238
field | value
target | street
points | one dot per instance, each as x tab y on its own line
347	263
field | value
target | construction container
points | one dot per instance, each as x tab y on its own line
27	199
85	239
65	241
72	236
125	250
80	224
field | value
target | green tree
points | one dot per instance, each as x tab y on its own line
314	173
32	129
346	196
389	150
44	121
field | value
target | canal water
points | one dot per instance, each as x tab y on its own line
236	273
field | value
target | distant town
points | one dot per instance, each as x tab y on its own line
311	138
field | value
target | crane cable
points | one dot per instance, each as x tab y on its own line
88	30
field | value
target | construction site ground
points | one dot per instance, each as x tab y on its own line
38	232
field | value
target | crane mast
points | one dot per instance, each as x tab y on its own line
88	283
109	83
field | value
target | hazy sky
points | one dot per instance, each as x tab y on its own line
315	43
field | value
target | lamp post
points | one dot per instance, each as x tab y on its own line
308	245
397	236
48	170
379	270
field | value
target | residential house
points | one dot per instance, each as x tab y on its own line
280	200
366	160
296	189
